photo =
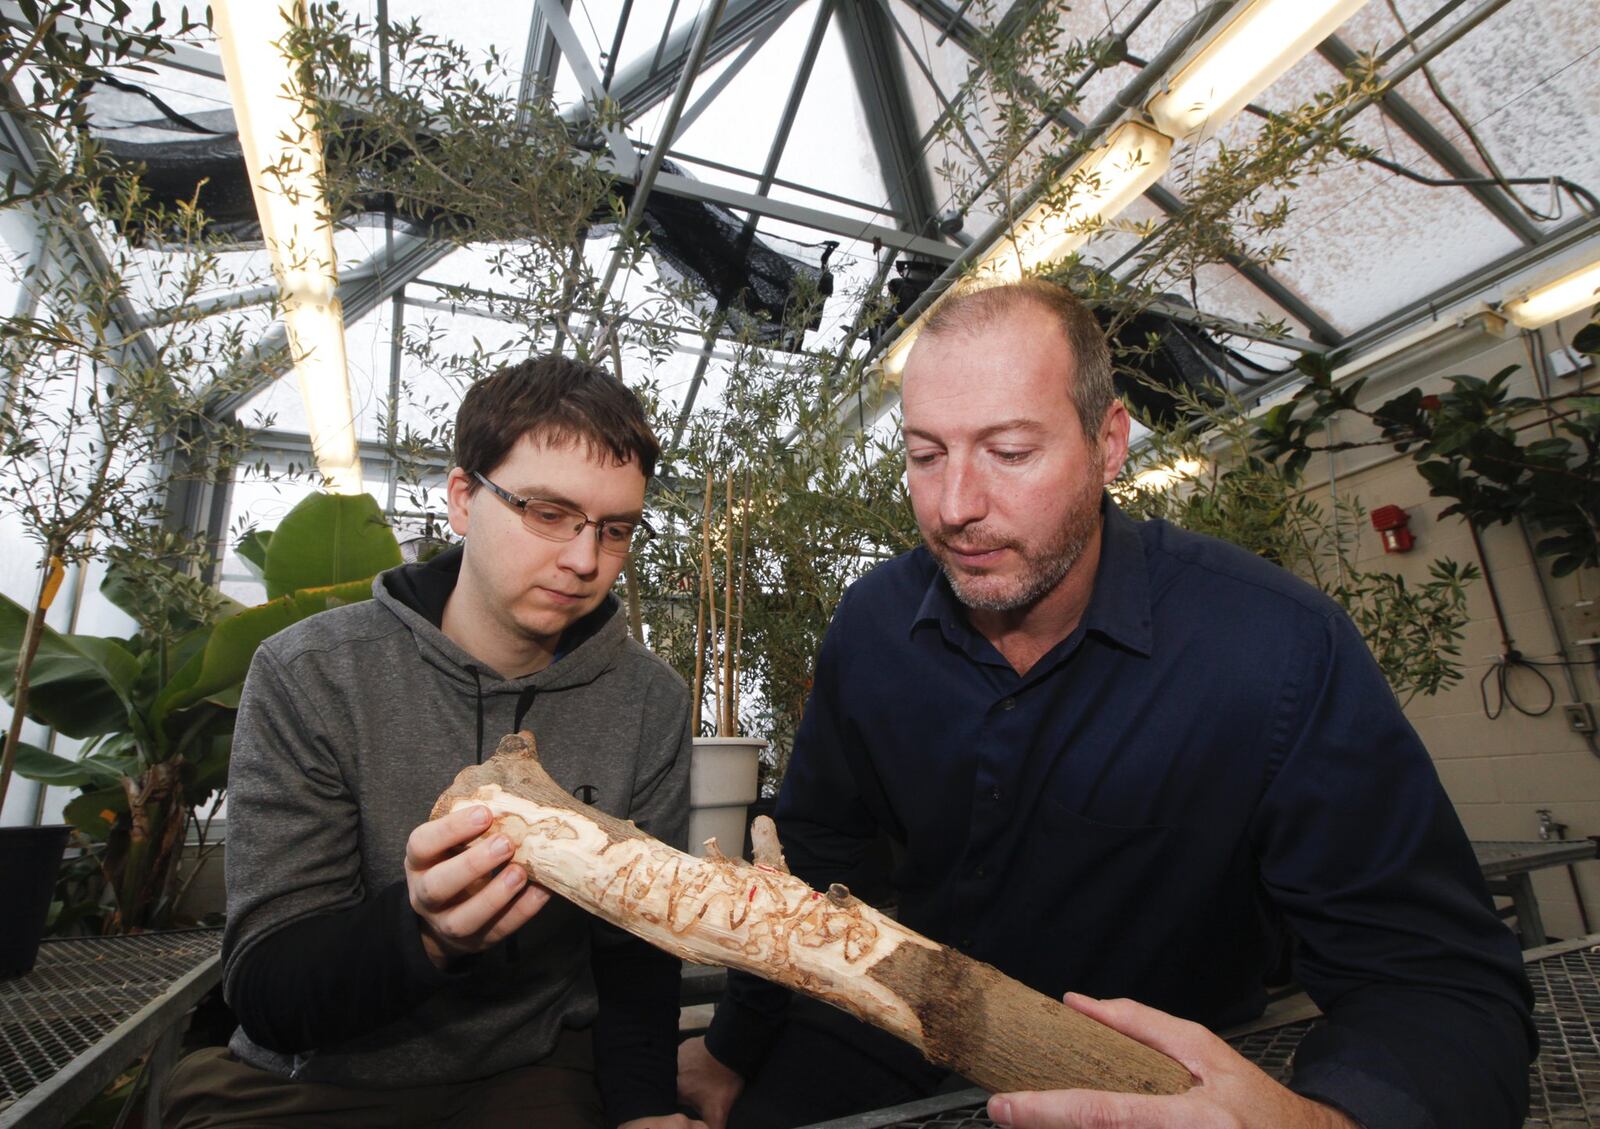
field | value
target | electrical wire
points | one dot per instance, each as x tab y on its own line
1586	199
1500	672
1510	658
1471	135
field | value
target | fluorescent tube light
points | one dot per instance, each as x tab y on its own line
1104	182
1566	295
285	159
1162	477
1241	60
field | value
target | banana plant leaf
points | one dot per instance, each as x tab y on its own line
93	812
207	771
216	673
60	772
328	539
81	685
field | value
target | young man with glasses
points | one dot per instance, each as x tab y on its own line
386	970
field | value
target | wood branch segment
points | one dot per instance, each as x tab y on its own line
960	1013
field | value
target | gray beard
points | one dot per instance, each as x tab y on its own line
1045	569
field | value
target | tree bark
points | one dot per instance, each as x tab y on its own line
960	1013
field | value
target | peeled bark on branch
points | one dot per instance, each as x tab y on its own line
960	1013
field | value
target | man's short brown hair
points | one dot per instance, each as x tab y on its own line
976	310
559	401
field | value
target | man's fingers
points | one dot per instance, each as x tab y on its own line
530	901
444	883
1073	1109
1177	1038
437	839
482	913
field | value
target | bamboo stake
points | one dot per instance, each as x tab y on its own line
730	722
960	1013
744	568
699	630
32	634
711	606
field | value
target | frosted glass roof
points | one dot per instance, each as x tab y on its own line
1364	242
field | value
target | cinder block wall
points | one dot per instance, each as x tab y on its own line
1499	772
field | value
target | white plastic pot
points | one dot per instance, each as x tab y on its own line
722	785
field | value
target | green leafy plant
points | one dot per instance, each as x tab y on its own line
1255	499
156	709
809	513
1497	456
95	411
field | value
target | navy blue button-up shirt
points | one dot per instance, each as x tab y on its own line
1209	763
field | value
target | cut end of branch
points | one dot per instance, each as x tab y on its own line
520	746
765	850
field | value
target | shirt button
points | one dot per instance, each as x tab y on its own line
979	870
1008	703
994	793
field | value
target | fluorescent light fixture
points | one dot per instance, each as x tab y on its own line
1104	182
1566	295
1264	39
285	158
1162	477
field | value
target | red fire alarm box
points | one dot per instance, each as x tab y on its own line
1390	522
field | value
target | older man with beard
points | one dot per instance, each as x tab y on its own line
1125	760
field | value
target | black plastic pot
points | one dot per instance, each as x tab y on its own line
29	858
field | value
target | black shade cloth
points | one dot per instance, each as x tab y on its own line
756	280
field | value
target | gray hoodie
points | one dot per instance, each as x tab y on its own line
350	725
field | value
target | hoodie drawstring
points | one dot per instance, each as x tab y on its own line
477	683
524	704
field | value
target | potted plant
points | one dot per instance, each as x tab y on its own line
156	709
93	412
1498	457
724	767
761	532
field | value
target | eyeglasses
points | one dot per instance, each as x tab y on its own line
556	522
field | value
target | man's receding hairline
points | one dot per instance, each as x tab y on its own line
973	320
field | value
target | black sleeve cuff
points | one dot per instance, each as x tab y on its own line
1360	1081
331	977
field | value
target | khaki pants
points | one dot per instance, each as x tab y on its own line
211	1089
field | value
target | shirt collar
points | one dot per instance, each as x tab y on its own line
1119	606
